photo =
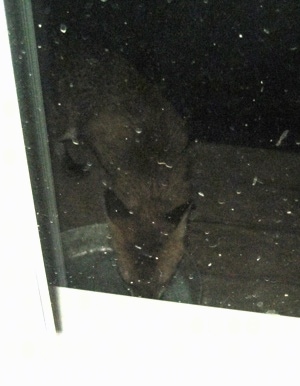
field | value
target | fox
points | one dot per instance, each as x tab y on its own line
140	143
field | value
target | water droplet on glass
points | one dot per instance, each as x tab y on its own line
165	164
191	277
75	141
63	28
138	130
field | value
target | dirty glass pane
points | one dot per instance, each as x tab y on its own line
26	69
174	140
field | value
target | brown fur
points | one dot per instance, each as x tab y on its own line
140	142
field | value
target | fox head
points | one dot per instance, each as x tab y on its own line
149	243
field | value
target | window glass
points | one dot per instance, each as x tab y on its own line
170	147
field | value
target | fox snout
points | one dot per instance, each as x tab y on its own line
149	244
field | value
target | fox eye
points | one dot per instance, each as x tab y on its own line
114	206
175	215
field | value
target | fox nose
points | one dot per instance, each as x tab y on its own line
146	289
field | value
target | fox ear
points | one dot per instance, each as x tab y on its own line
114	206
177	214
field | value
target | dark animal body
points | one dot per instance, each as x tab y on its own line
140	143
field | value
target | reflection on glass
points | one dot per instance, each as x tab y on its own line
174	147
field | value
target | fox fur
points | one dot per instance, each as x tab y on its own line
141	145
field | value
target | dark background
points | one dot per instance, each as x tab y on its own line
231	68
